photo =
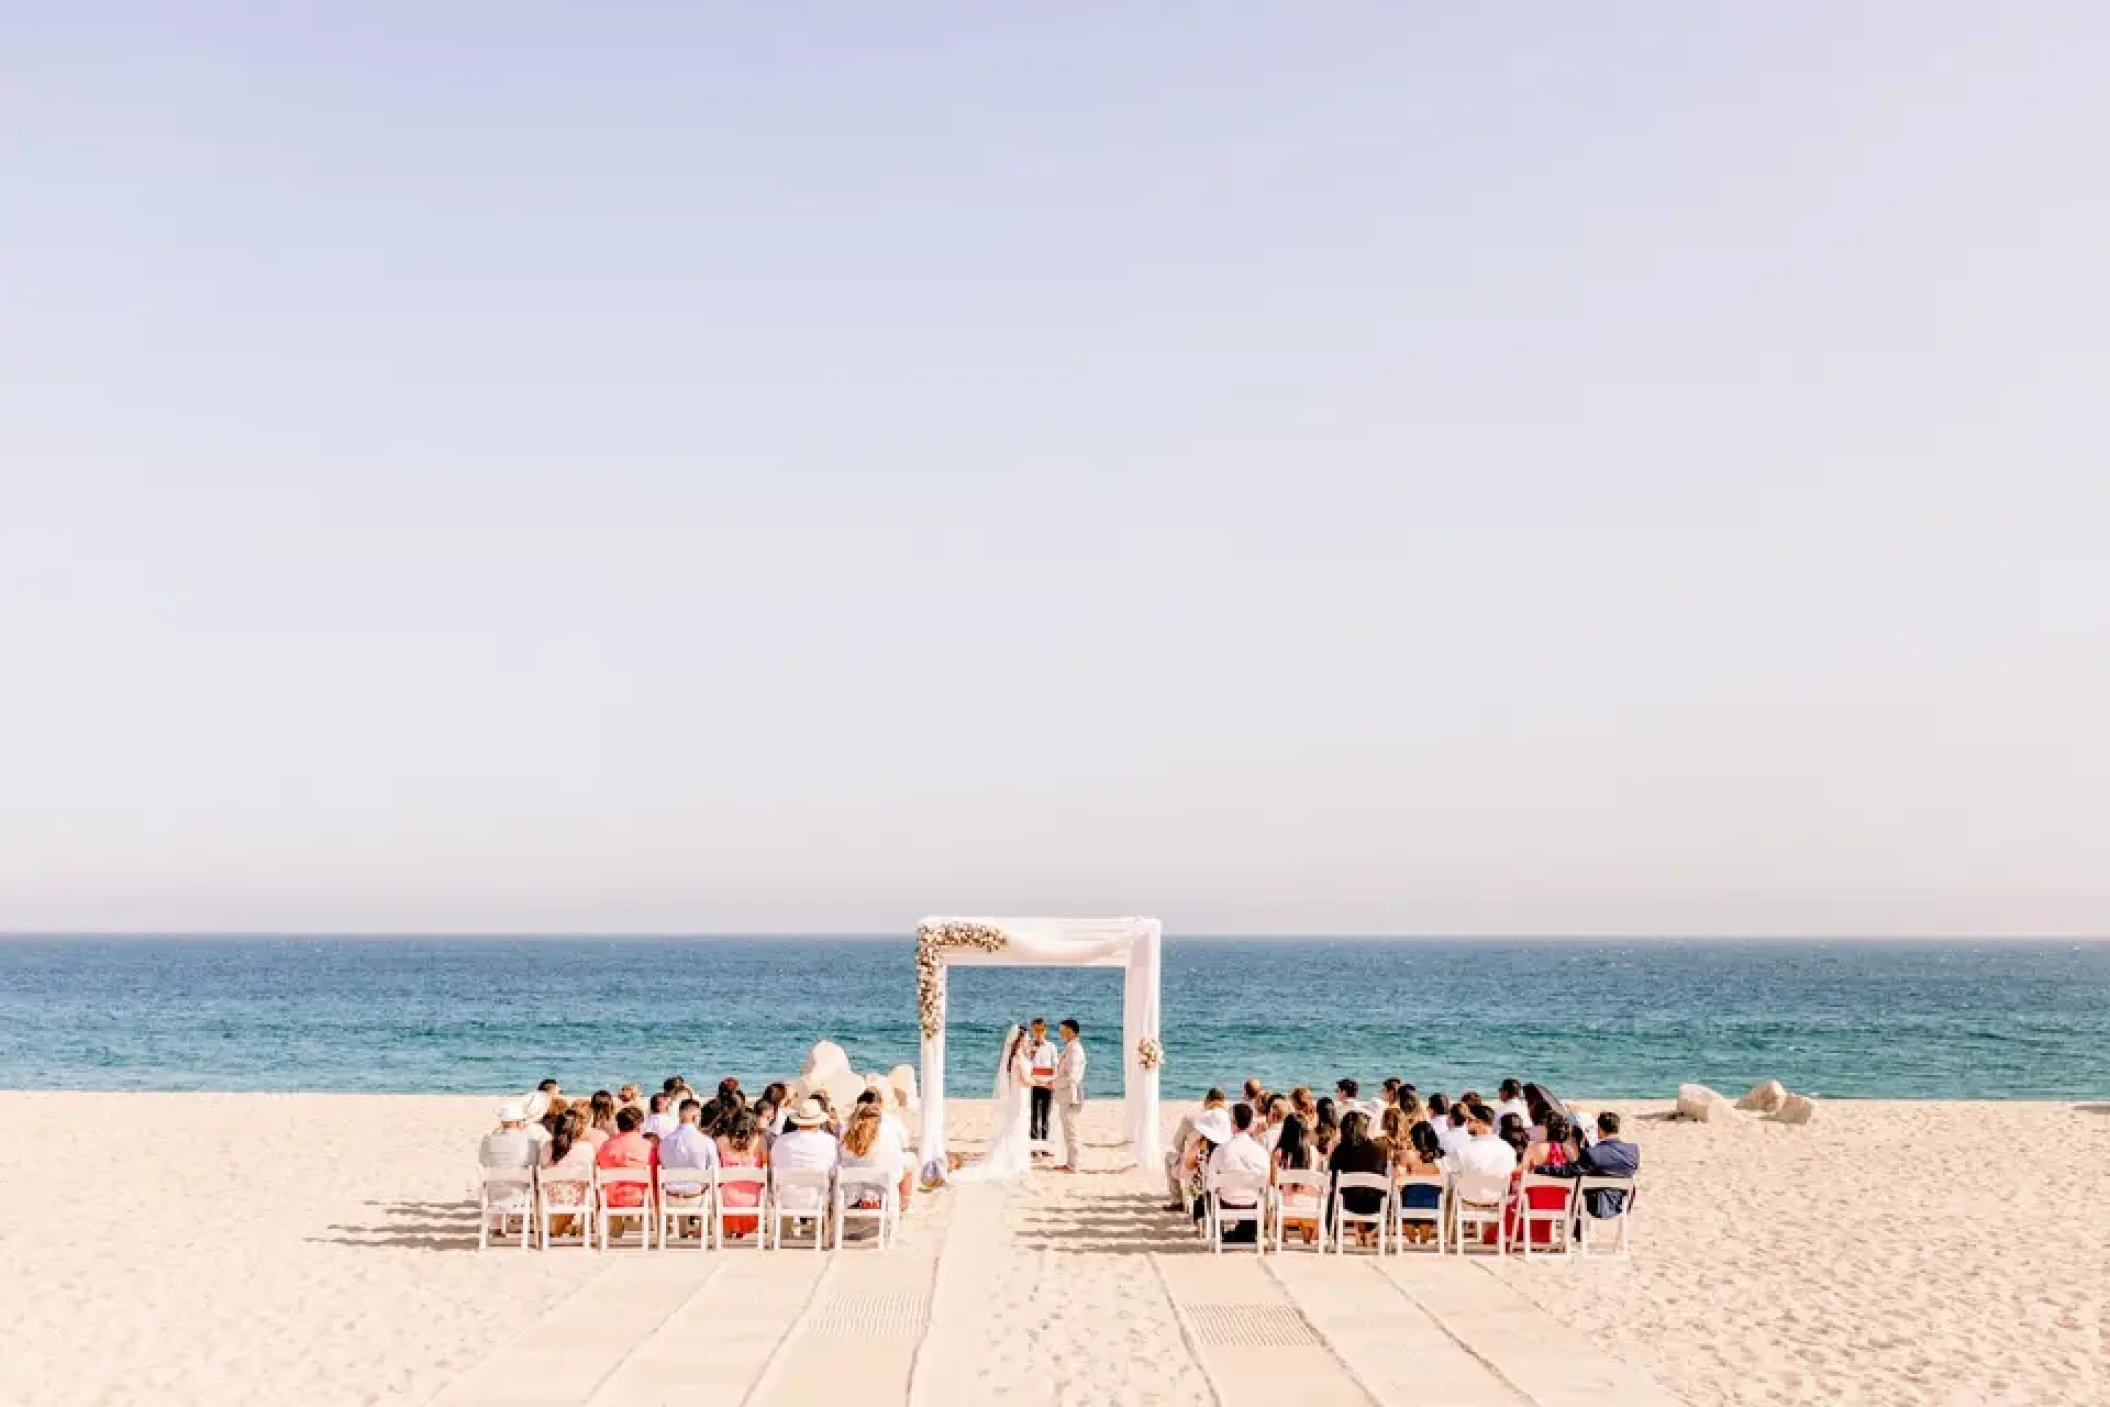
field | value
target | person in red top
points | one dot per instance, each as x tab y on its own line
627	1149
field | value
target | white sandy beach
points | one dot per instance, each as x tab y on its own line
319	1249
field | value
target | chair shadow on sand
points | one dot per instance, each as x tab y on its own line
419	1226
1131	1224
2091	1108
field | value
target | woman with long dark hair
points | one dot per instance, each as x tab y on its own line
1358	1152
1294	1153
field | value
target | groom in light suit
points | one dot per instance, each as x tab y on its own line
1069	1091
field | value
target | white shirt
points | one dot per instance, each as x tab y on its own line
1452	1137
1069	1068
1482	1166
659	1125
1514	1106
1241	1155
805	1150
685	1147
1040	1057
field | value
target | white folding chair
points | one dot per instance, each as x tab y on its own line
605	1181
1558	1219
1251	1189
799	1194
1437	1216
1343	1218
1588	1222
684	1195
1479	1199
1300	1208
854	1185
501	1195
565	1194
756	1178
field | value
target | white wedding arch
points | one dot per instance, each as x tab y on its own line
1130	943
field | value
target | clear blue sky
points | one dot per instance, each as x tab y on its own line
1394	468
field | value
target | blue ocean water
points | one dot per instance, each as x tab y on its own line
1631	1019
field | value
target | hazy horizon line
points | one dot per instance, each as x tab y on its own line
786	935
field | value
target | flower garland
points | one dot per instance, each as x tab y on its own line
931	941
1149	1054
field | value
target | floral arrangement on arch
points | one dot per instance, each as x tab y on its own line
1149	1054
932	939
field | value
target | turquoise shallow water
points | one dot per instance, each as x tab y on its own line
1632	1019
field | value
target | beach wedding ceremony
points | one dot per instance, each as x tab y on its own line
1054	706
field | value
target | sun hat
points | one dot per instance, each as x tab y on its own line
809	1114
1214	1125
511	1112
535	1106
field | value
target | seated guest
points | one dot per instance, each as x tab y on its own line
1303	1105
866	1145
892	1132
1277	1115
1509	1099
1176	1160
659	1123
806	1145
1388	1094
550	1088
1482	1164
741	1145
1510	1129
510	1145
1392	1135
1253	1090
1454	1133
625	1148
778	1095
1326	1127
1422	1157
1242	1153
1211	1131
685	1146
600	1117
1293	1152
567	1168
1416	1111
1609	1156
537	1106
1358	1152
1347	1098
728	1090
629	1097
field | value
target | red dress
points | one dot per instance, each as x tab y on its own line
1542	1199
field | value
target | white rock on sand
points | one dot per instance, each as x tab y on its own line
903	1080
1764	1098
1794	1109
1704	1106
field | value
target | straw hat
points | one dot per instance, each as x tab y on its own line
1214	1125
535	1106
809	1115
512	1112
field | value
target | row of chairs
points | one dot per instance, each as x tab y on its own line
666	1200
1463	1204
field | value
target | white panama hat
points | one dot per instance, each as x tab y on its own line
512	1112
809	1114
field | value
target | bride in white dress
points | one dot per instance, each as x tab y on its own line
1011	1153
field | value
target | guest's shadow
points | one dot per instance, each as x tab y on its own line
418	1226
1131	1224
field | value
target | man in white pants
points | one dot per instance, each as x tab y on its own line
1069	1091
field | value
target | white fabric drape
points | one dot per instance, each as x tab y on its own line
1133	943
